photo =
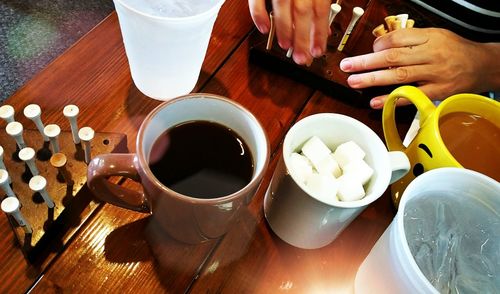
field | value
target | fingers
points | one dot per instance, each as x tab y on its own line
383	59
259	14
321	28
431	90
379	101
283	19
401	38
392	76
301	25
302	16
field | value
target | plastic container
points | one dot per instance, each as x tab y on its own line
165	54
390	266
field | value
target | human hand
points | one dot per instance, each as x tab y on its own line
300	24
440	62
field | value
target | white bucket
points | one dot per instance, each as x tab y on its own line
390	266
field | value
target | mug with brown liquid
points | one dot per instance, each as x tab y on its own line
462	131
200	158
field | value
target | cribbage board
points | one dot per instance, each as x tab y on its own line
324	73
53	225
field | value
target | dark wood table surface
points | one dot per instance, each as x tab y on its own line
116	250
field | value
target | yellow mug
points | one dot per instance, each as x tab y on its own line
462	131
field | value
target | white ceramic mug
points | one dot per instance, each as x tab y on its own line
166	53
305	221
390	266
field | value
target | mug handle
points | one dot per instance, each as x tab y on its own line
400	165
424	106
116	164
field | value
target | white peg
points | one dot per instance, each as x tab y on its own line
52	131
4	183
38	184
10	206
86	134
357	12
7	113
28	156
334	10
34	112
15	129
2	163
71	113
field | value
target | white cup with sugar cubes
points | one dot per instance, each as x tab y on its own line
332	167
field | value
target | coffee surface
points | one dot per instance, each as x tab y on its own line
473	141
202	159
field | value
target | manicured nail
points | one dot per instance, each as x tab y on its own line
345	64
376	103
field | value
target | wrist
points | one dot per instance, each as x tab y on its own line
490	67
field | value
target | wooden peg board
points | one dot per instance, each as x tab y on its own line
71	205
324	73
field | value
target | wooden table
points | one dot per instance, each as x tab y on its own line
113	249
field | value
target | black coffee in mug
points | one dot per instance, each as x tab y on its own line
201	159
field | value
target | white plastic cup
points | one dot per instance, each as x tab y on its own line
165	54
306	221
390	266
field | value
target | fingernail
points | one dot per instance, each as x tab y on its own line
376	103
316	52
263	29
299	58
284	44
353	80
345	64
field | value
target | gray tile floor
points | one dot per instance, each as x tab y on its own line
34	32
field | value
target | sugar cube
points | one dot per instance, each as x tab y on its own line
315	150
350	188
300	167
358	168
322	186
347	152
332	175
329	166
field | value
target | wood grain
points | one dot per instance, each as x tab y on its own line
117	250
165	263
94	75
